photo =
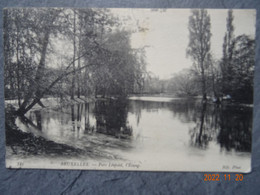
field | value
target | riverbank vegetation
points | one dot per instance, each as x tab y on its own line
67	52
230	77
58	57
63	53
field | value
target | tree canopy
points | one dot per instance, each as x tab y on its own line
97	57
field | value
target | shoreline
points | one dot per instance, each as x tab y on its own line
53	102
25	144
29	144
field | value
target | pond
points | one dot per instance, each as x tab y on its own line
157	133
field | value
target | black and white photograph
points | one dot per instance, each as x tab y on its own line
129	88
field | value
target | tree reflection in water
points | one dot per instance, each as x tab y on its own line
38	119
235	129
111	118
228	125
72	117
201	134
88	128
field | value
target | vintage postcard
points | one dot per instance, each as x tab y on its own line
129	89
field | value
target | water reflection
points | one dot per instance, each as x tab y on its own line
28	122
38	119
111	118
228	125
88	128
200	135
235	129
161	125
72	117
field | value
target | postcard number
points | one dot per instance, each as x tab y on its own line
20	164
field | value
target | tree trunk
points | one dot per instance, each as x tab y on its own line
35	86
42	92
79	73
203	80
74	56
18	66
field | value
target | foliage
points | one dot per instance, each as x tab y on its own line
243	69
184	84
237	64
199	44
95	58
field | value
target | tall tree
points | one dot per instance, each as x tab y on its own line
199	45
237	64
228	46
44	27
243	61
19	50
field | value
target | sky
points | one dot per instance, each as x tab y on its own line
166	35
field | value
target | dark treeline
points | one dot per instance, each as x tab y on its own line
67	53
231	76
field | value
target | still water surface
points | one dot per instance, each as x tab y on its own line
161	133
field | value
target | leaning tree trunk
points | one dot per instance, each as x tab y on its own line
35	87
